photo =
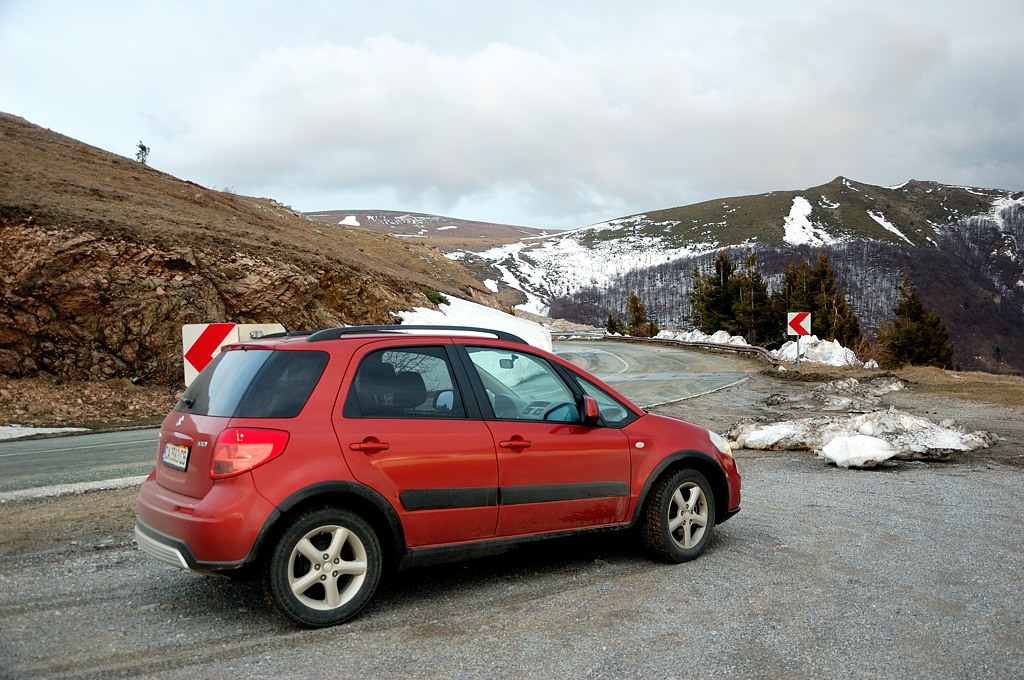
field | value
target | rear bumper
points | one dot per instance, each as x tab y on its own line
213	534
163	548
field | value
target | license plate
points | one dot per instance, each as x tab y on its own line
175	456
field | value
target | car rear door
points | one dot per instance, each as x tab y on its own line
407	432
554	472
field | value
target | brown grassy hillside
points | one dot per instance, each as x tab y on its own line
103	259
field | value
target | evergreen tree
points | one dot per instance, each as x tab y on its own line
711	301
838	321
815	290
794	295
638	325
753	315
142	153
615	325
916	335
735	301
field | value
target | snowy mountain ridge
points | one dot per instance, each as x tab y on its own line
913	214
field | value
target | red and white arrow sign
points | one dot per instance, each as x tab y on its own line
202	342
798	323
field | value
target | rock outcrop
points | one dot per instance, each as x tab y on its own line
103	259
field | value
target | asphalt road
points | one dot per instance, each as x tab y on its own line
650	375
653	375
54	461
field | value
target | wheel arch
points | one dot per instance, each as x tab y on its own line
692	460
368	504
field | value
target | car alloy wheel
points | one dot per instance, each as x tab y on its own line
325	568
679	516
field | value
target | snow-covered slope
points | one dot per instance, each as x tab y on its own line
548	267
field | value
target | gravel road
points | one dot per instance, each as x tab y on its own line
913	570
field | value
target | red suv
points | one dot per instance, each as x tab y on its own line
317	461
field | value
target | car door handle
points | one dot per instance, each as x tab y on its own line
371	446
516	443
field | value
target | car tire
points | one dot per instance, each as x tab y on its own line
324	568
679	517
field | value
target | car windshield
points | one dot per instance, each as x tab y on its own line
254	384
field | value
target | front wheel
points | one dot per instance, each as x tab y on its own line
325	568
679	517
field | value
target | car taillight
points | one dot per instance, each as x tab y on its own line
242	448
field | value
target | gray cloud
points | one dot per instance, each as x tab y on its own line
528	113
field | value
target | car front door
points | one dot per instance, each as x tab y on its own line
554	472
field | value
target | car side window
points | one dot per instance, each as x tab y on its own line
522	386
406	382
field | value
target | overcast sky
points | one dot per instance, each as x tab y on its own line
543	113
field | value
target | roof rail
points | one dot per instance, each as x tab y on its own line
335	333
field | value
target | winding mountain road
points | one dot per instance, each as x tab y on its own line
653	375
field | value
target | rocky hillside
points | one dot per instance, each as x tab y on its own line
103	259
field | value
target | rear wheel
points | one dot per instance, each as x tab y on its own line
679	516
325	568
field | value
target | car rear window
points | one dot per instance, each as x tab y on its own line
254	383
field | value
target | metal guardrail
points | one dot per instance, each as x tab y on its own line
581	335
744	349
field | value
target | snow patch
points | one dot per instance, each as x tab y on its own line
1001	204
718	338
70	489
864	440
464	313
813	350
887	225
798	227
860	450
349	221
18	431
848	395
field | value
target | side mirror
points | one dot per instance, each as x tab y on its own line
591	411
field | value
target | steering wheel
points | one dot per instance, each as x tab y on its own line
562	404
